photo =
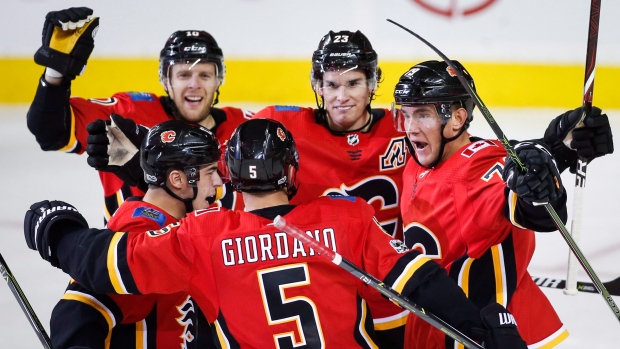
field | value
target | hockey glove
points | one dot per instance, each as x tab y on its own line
41	218
68	40
568	138
541	183
114	146
501	329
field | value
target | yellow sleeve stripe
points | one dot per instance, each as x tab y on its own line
391	322
501	296
408	272
95	304
224	344
464	275
362	329
141	334
113	272
551	341
72	139
512	206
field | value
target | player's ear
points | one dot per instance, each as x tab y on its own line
176	179
459	118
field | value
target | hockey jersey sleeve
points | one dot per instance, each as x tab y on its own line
49	118
85	319
106	261
415	276
58	121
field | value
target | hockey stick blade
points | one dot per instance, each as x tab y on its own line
24	304
375	283
511	152
612	286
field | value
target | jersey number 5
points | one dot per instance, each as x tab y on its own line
299	309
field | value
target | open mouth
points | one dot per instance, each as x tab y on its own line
419	145
194	99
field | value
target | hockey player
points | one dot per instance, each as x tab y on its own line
365	155
261	288
191	79
460	204
180	163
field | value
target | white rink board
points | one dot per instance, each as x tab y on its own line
30	175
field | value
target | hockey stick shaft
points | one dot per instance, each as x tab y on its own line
24	304
612	286
581	170
373	282
511	152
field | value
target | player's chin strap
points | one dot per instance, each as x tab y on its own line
189	207
444	141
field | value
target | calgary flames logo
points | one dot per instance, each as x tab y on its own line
451	71
281	134
168	136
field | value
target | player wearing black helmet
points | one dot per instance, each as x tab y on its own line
458	210
191	70
257	165
260	287
180	163
347	147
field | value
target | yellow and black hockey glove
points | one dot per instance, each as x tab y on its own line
68	40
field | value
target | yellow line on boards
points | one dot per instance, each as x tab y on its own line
267	82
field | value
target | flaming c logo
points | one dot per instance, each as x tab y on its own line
281	134
168	136
453	8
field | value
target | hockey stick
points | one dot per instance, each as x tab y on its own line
23	302
510	150
612	286
580	171
375	283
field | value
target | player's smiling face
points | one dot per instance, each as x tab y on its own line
423	127
192	89
346	95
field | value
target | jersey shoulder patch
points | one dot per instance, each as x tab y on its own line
476	147
149	213
282	108
141	96
342	197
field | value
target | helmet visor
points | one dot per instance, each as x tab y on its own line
415	116
184	69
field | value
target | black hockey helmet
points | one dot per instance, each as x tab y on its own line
435	82
345	49
177	145
189	46
262	156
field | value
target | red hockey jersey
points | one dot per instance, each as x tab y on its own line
261	288
131	321
368	165
455	214
145	109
